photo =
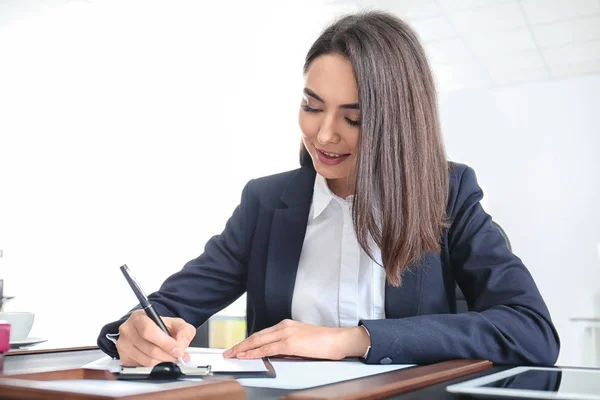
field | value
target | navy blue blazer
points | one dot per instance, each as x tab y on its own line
259	250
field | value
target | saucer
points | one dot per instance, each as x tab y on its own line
15	344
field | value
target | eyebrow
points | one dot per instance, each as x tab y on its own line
353	106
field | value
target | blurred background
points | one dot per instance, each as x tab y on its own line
128	129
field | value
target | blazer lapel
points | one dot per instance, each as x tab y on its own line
285	244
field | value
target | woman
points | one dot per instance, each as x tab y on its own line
356	254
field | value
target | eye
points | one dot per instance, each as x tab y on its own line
306	108
352	122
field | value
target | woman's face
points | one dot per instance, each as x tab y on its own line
330	117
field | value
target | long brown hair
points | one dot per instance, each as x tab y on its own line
401	166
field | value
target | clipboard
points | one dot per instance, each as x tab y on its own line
169	371
88	384
165	371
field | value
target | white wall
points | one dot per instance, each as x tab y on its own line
535	150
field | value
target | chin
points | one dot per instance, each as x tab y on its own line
329	172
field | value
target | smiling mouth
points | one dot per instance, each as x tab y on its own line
333	155
328	158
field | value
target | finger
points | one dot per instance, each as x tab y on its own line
128	354
149	331
152	351
269	350
125	347
286	323
255	341
181	331
125	355
141	358
130	344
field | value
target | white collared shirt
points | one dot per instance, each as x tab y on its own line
337	284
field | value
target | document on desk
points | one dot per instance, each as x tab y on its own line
301	374
199	356
218	363
291	373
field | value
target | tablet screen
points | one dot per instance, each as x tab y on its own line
564	383
530	380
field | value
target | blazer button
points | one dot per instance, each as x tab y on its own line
385	360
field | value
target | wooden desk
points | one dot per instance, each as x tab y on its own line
51	361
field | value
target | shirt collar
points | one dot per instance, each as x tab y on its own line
322	196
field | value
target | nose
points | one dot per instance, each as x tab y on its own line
327	132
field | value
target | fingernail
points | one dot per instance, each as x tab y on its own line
241	354
176	352
187	357
226	353
185	342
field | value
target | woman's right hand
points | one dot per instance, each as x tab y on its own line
142	343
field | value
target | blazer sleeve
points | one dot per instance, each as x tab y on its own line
205	285
508	321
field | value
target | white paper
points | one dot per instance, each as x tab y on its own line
291	374
199	356
218	363
104	363
298	374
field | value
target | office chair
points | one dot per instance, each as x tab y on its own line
461	301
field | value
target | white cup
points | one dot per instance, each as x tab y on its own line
20	324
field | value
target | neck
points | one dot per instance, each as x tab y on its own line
341	187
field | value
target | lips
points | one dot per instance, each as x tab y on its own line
331	158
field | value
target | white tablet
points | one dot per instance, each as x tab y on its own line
535	383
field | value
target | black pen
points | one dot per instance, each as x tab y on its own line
145	303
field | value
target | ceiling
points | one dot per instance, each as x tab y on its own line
490	43
475	43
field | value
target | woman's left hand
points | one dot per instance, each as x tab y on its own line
292	338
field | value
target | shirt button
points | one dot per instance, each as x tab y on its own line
385	360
